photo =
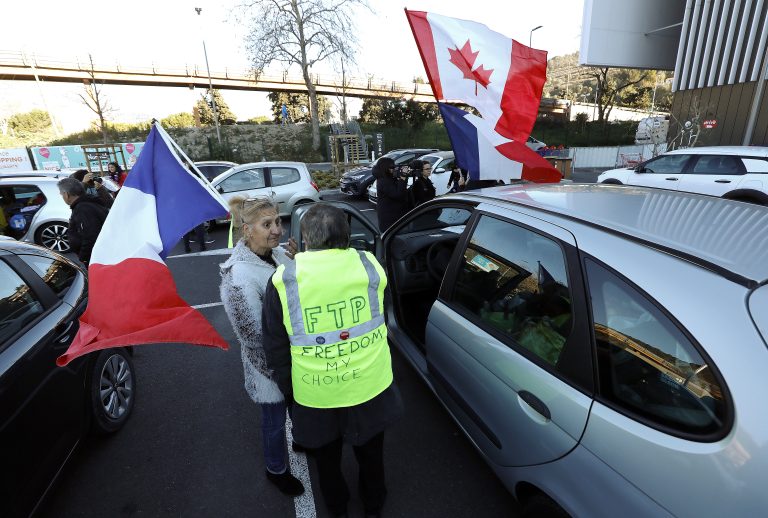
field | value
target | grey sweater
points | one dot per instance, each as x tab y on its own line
244	278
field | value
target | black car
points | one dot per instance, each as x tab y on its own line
355	182
47	410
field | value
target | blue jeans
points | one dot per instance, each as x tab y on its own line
273	437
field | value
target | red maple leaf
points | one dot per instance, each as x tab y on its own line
464	60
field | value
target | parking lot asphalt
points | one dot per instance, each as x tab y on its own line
192	446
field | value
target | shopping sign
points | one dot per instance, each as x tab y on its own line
709	123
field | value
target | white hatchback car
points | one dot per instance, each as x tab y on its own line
288	183
33	210
733	172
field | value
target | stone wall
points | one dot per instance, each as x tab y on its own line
249	143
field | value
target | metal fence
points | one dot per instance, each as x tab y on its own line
614	156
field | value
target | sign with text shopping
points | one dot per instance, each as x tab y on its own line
15	159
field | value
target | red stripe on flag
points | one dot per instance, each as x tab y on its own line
135	302
522	92
425	42
535	167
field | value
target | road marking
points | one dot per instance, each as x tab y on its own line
217	251
211	305
305	502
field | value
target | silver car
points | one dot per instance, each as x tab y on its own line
288	183
33	210
604	348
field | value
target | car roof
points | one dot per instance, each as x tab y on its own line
724	236
440	154
216	162
760	151
36	179
269	164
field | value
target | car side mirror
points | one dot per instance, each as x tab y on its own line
220	189
440	170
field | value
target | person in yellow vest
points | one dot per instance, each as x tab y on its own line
326	340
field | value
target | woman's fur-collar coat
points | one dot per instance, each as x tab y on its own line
244	278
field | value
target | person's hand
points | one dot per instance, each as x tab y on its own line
88	178
291	248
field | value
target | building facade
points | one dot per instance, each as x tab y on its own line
717	49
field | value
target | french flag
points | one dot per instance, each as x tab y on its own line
132	297
486	155
468	62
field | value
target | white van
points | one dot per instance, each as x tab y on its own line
652	130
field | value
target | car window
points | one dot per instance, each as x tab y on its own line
284	175
646	364
18	304
514	280
404	158
244	180
447	164
450	218
666	164
432	160
212	171
19	204
717	165
58	275
755	165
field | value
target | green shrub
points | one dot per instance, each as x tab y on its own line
325	179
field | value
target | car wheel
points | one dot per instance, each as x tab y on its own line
112	390
53	236
612	182
541	506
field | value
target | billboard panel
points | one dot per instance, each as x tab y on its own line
631	33
14	159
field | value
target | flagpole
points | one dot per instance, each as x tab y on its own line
192	170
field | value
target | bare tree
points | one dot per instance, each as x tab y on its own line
301	33
95	100
687	131
610	85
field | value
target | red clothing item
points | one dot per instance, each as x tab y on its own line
122	178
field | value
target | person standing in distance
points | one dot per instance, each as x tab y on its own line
244	278
422	189
88	216
326	340
392	192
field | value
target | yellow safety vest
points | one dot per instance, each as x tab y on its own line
333	310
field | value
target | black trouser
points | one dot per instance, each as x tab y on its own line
370	460
199	232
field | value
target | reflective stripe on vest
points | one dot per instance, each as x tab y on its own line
339	351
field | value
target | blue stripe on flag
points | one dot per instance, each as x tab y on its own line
463	135
181	203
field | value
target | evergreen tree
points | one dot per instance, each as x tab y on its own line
205	109
298	107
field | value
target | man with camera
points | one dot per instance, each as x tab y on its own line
94	186
392	192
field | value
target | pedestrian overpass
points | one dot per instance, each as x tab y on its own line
18	66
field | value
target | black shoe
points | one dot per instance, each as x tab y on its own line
298	448
208	241
286	483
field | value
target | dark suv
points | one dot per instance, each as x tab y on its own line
355	182
47	410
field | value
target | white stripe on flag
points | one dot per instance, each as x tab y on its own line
130	231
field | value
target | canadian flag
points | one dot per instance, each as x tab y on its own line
468	62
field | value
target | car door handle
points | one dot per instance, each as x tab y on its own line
722	181
64	331
535	403
671	178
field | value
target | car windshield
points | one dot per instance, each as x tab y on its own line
431	159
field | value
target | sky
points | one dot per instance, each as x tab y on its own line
170	33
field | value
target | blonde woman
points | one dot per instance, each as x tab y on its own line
244	277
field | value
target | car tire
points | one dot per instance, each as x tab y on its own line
612	182
112	390
541	506
53	236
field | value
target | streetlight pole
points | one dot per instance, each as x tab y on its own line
530	36
210	86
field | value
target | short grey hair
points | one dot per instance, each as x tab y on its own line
71	186
324	227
